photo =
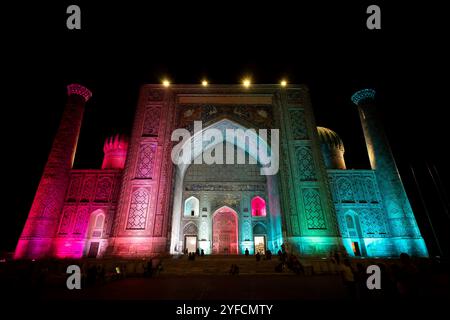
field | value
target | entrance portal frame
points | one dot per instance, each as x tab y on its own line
234	245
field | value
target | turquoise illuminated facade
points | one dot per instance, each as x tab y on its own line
314	204
402	230
373	212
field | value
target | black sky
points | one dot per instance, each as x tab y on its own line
126	44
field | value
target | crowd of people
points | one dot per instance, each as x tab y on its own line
197	253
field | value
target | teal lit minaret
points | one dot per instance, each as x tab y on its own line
404	232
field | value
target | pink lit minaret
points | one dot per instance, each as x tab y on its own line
37	236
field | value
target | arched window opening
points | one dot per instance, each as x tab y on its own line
191	207
351	227
354	232
258	207
350	223
98	221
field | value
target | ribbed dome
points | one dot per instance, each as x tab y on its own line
327	136
116	142
115	149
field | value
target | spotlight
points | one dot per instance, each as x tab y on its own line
204	83
246	83
166	83
283	83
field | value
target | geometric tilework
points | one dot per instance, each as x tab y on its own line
145	161
354	186
345	190
151	121
305	162
313	209
138	210
298	124
81	221
371	195
64	227
373	224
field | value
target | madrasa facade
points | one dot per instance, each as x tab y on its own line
142	204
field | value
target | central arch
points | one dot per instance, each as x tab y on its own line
225	231
205	216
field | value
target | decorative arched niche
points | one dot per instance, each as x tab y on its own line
258	207
191	207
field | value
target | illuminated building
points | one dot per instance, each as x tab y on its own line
140	204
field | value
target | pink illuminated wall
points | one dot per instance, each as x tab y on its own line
141	222
135	225
90	192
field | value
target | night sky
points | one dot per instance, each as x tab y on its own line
122	46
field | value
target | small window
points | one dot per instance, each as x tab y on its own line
350	223
97	223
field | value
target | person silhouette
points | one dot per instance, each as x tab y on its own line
258	256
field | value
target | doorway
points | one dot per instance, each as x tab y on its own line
260	244
355	248
225	232
93	249
191	243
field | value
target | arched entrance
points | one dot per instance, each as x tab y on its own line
217	184
225	231
95	233
354	232
259	236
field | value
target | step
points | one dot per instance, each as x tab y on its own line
218	265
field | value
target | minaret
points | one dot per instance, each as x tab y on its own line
402	223
36	239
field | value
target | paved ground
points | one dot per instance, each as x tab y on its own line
210	288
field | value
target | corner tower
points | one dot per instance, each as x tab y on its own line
36	240
404	231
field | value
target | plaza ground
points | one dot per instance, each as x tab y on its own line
208	279
210	288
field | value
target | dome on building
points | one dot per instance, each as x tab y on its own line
331	138
116	142
115	150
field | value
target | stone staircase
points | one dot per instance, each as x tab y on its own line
219	265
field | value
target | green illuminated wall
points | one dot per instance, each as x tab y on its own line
309	216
